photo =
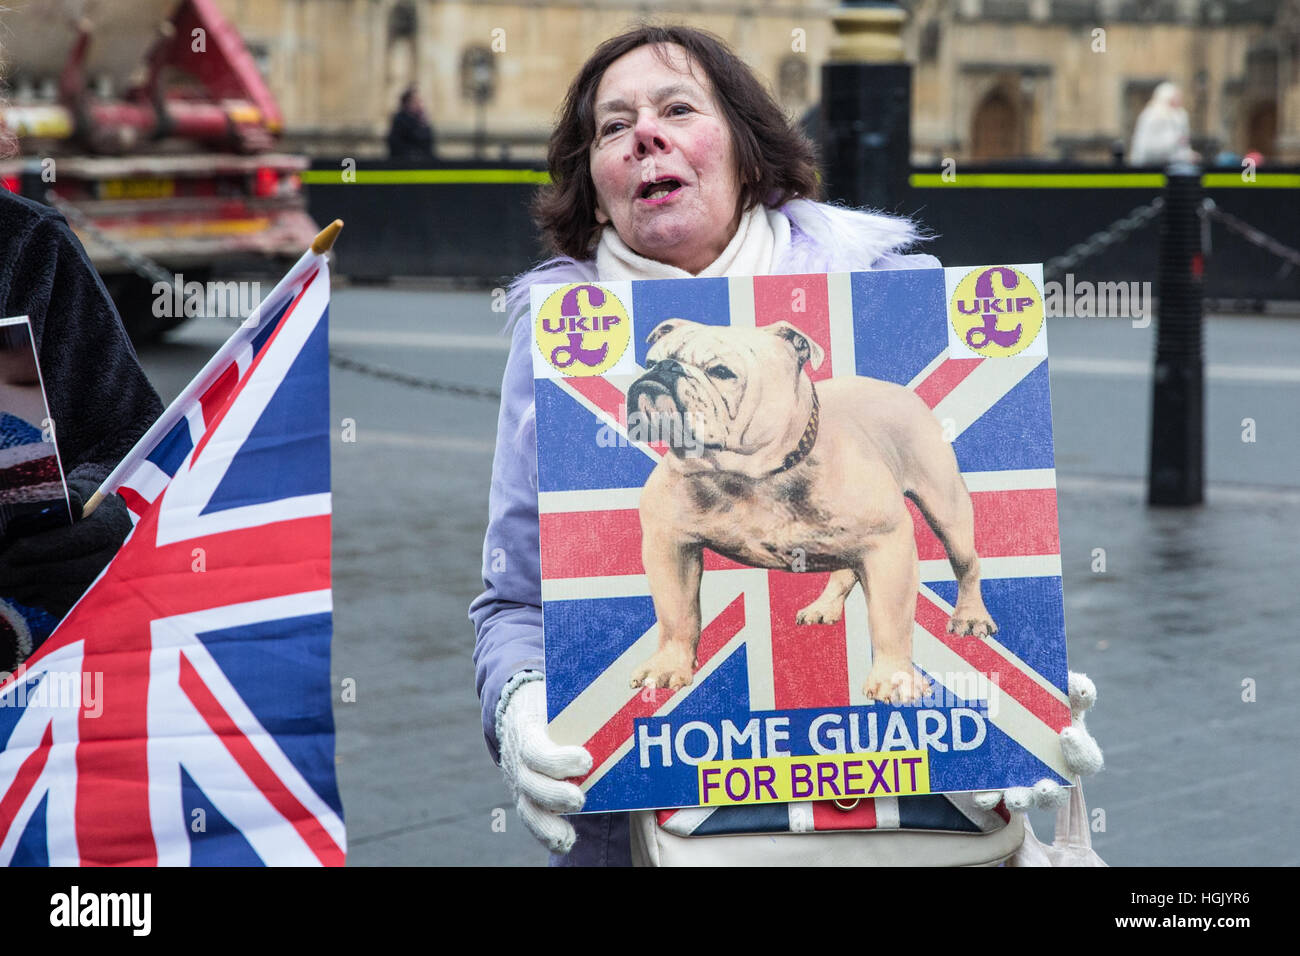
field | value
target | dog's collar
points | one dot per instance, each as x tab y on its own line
806	441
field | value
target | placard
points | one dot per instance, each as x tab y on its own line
723	463
33	495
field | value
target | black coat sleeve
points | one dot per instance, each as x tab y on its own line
99	397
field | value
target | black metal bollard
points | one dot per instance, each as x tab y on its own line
1176	473
866	118
866	106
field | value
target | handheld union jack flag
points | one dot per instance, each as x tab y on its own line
180	714
777	709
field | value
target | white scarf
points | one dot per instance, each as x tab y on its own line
760	242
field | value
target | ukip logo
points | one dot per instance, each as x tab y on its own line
996	311
582	330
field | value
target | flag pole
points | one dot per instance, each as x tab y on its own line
322	244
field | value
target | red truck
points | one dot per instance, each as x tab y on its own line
180	169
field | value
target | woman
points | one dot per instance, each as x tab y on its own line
669	160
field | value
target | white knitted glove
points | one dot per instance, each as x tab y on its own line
1082	757
535	768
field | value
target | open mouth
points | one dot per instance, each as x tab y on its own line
660	189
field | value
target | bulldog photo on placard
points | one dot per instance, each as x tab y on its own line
784	474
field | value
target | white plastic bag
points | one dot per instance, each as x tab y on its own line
1073	843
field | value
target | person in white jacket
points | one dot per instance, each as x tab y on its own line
669	160
1162	134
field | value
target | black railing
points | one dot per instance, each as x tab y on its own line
471	220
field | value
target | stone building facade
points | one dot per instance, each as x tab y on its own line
1064	79
993	79
338	66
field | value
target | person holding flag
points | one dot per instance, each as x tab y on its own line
100	402
180	714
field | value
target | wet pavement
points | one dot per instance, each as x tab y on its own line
1190	611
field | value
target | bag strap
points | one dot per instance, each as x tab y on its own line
1072	828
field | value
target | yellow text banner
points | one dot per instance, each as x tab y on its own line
818	777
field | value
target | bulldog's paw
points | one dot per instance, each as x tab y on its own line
971	621
820	612
667	668
895	682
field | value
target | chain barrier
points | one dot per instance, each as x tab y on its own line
146	268
1290	257
414	381
1139	217
1099	241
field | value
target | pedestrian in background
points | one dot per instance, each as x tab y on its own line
410	136
1162	134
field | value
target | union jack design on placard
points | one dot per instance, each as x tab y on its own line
753	658
181	713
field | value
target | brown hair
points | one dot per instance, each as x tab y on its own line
763	138
8	142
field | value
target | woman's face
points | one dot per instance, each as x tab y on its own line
662	160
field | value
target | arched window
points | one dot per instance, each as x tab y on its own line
995	127
478	74
1261	128
402	21
929	46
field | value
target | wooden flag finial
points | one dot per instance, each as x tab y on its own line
91	504
325	238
